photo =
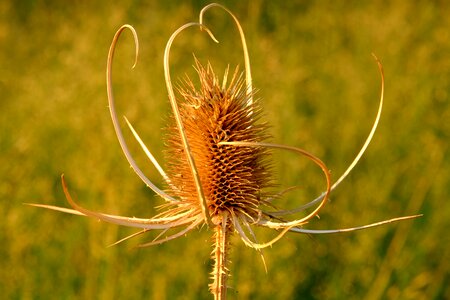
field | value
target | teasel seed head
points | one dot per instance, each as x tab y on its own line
218	170
232	178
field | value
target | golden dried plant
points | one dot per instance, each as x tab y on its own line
218	163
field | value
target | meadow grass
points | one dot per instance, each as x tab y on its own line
319	89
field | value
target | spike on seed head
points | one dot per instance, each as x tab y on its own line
232	177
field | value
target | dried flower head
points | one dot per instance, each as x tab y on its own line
232	177
218	163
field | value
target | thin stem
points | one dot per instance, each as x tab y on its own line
220	255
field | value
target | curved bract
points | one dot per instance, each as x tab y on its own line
248	72
181	129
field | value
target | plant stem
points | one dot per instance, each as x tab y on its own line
220	255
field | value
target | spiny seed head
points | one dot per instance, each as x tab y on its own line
218	163
232	178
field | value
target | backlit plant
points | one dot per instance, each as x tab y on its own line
218	163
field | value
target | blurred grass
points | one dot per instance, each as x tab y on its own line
319	87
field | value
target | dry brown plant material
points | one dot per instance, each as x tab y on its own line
218	163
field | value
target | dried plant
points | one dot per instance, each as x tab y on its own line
218	163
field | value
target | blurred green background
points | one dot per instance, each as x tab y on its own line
319	87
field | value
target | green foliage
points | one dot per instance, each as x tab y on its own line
319	87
